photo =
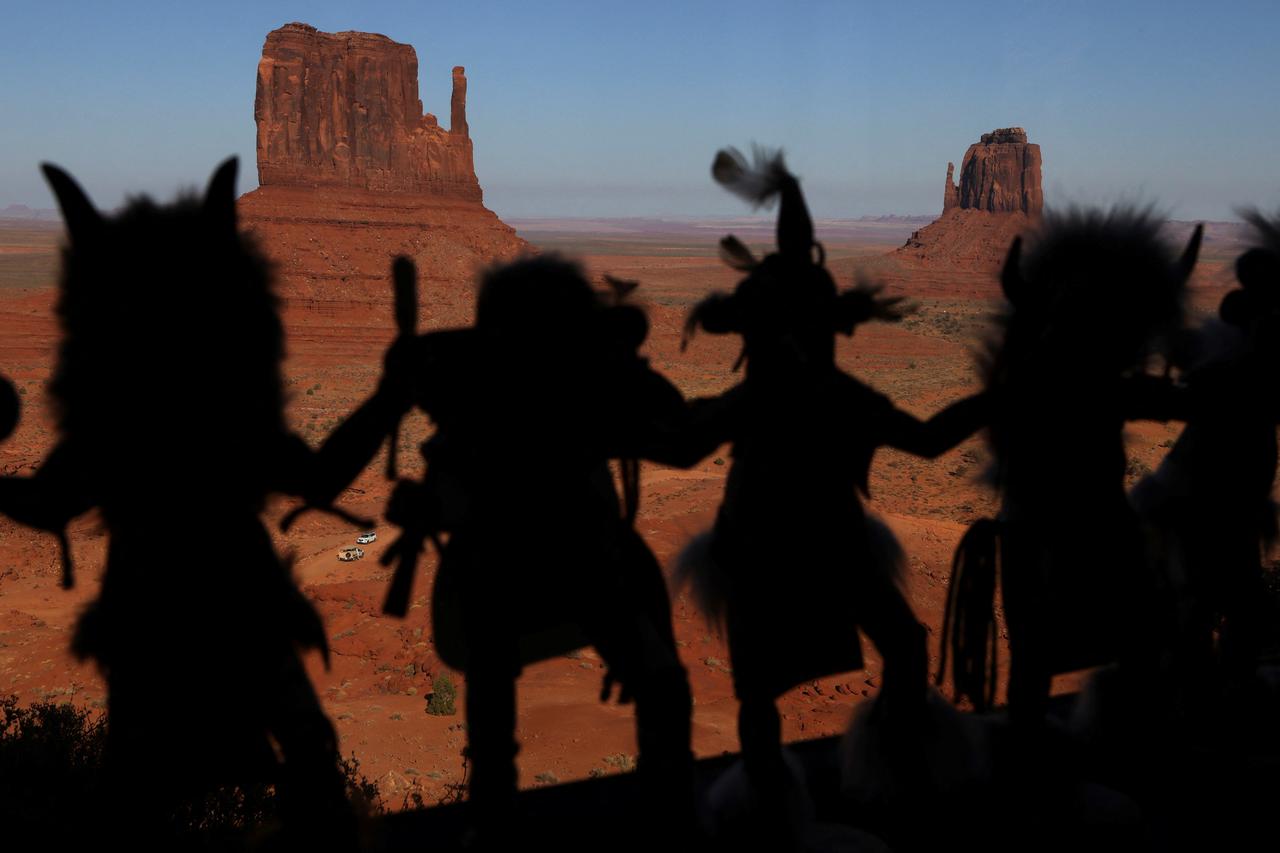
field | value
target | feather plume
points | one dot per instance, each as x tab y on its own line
863	303
620	288
1266	229
717	313
737	255
758	183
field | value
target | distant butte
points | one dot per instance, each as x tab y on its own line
999	195
342	110
352	171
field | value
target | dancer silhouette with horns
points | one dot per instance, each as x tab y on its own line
170	416
1096	294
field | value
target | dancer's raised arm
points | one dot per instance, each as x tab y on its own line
321	476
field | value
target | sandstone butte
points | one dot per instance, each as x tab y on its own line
999	195
352	172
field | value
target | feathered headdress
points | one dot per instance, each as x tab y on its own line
788	293
759	183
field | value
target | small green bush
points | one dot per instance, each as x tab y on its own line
440	699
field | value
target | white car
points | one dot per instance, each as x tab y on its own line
347	555
366	538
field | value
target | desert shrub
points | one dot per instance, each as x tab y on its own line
440	699
621	761
52	780
361	790
50	765
1136	469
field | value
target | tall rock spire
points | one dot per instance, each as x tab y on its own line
950	193
458	105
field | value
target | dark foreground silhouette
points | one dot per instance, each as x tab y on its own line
538	553
1093	298
170	417
1209	505
794	565
535	404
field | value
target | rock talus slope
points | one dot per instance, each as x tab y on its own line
352	171
1000	194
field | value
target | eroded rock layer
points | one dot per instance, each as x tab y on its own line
342	109
999	174
332	247
352	172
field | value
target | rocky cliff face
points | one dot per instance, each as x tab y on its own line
342	109
999	174
998	197
353	172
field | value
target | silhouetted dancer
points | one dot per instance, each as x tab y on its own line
794	565
170	412
1093	297
1210	500
10	408
538	555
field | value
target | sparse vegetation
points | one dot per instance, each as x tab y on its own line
1136	469
440	700
52	779
47	747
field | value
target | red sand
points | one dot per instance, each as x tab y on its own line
383	668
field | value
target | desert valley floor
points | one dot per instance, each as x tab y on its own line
384	668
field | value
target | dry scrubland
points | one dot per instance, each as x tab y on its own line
383	670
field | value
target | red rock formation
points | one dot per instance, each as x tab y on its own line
999	174
950	193
458	105
352	172
999	195
342	109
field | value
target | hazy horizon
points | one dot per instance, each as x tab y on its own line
607	110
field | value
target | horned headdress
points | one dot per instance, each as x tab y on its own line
171	336
1092	287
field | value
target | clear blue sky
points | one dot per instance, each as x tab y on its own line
607	108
